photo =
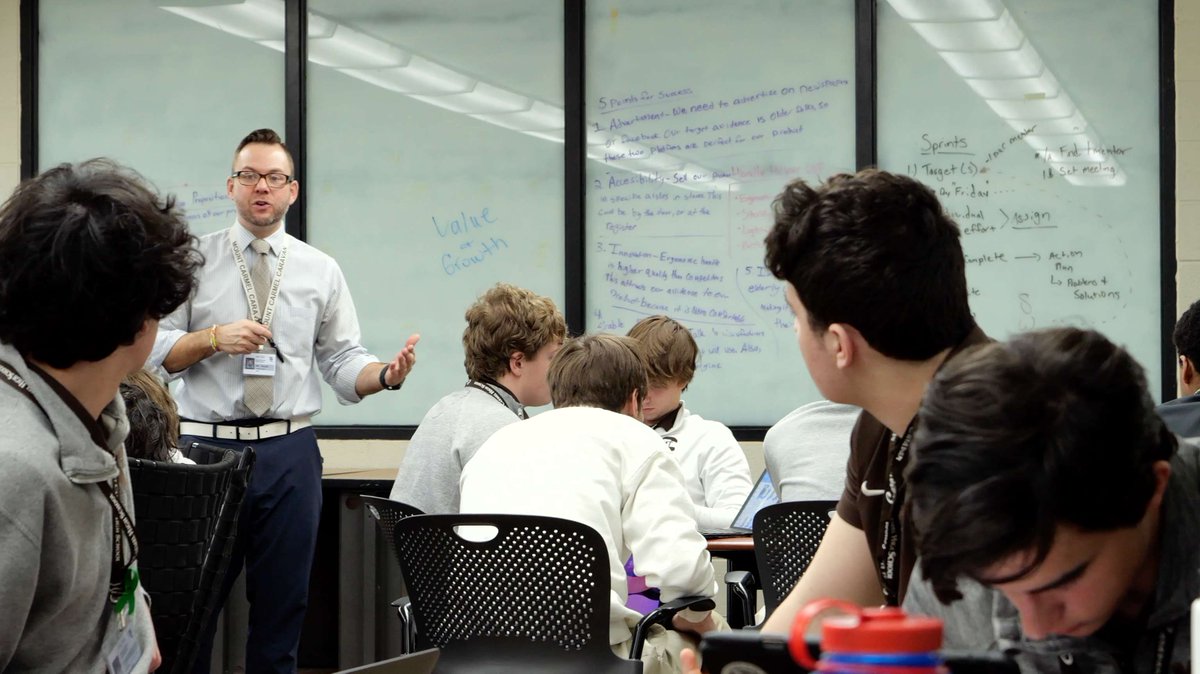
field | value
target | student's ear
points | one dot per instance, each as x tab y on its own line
842	341
1188	377
633	406
1162	475
516	363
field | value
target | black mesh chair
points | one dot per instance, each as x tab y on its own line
533	598
386	513
186	520
786	536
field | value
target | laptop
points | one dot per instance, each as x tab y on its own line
762	495
421	662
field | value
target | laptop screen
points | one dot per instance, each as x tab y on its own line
762	495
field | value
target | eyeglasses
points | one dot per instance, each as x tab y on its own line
251	178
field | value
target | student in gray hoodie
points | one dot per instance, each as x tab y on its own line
90	259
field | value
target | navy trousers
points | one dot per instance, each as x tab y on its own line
277	535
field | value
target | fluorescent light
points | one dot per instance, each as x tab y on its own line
554	135
997	34
1033	108
483	98
251	19
1023	62
539	116
1073	124
1044	85
319	26
420	76
947	10
348	48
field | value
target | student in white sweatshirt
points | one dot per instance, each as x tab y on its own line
592	460
714	466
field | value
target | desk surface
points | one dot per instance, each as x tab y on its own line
731	544
336	473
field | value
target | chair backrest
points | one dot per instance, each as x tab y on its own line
535	597
786	536
176	507
386	513
220	551
186	522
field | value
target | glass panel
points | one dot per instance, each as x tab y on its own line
435	170
698	113
166	90
1044	145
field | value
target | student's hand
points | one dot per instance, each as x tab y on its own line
244	336
687	658
697	628
403	363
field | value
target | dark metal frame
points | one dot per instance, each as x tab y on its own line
295	94
575	157
1166	174
29	88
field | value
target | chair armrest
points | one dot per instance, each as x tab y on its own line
663	616
408	624
744	586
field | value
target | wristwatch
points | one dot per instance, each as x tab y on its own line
383	380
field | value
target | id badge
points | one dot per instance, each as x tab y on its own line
126	655
258	365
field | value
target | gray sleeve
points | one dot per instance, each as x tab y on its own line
967	622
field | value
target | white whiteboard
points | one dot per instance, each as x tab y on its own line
1046	151
698	114
167	96
426	207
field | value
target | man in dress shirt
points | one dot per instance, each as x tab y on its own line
248	348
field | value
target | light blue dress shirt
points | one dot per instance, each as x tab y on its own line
315	327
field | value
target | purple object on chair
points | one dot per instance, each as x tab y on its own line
642	598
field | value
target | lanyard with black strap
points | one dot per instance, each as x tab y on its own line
489	389
123	579
890	516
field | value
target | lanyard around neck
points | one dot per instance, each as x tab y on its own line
506	400
890	516
268	312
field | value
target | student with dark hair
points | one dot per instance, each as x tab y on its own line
1043	474
90	259
592	460
714	466
1183	414
875	276
511	336
272	316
